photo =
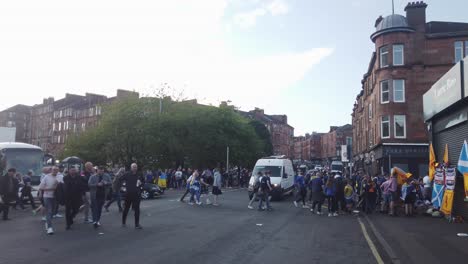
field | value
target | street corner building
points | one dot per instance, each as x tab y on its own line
446	117
410	55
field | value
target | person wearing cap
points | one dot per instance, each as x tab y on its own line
99	185
8	186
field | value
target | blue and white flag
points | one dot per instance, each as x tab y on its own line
463	159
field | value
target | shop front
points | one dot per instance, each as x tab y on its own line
446	115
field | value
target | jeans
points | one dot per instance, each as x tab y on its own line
301	194
318	204
195	194
96	208
187	191
49	204
5	207
86	203
132	200
254	196
72	207
331	203
264	196
115	197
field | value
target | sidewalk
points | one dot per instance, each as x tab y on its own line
421	239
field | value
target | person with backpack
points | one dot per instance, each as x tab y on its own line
330	192
301	191
256	187
265	189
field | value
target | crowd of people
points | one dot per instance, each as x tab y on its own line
85	191
96	188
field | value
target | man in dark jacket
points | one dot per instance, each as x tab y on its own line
133	184
74	188
8	191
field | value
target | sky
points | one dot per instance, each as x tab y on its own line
302	58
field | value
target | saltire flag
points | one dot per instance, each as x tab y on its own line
432	163
439	187
463	166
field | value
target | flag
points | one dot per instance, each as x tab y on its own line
432	162
463	159
447	202
446	157
463	166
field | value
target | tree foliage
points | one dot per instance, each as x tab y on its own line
178	133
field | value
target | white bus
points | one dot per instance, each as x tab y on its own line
23	157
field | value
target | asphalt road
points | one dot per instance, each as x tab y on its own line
176	232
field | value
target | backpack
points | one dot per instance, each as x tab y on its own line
264	183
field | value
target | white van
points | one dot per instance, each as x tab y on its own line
282	175
336	167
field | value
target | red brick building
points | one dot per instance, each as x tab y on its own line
308	147
281	133
333	140
410	56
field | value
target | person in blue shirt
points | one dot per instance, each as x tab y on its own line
316	189
301	191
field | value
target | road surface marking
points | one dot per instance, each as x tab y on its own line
383	242
370	243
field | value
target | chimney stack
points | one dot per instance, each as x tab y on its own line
416	15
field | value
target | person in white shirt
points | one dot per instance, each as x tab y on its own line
47	186
427	188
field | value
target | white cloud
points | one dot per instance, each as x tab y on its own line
51	48
272	7
277	7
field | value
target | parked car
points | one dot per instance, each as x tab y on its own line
149	191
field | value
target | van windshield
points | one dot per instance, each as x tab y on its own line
275	170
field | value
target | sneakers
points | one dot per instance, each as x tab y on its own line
191	203
335	214
330	214
305	207
138	227
250	207
95	224
44	219
319	213
50	231
312	210
295	204
199	203
58	216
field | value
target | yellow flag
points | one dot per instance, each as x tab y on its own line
432	162
446	158
447	202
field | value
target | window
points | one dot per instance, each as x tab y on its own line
384	92
60	126
11	124
59	139
385	127
53	127
398	55
370	111
400	126
399	91
383	56
458	51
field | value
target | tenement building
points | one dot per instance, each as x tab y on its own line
410	55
